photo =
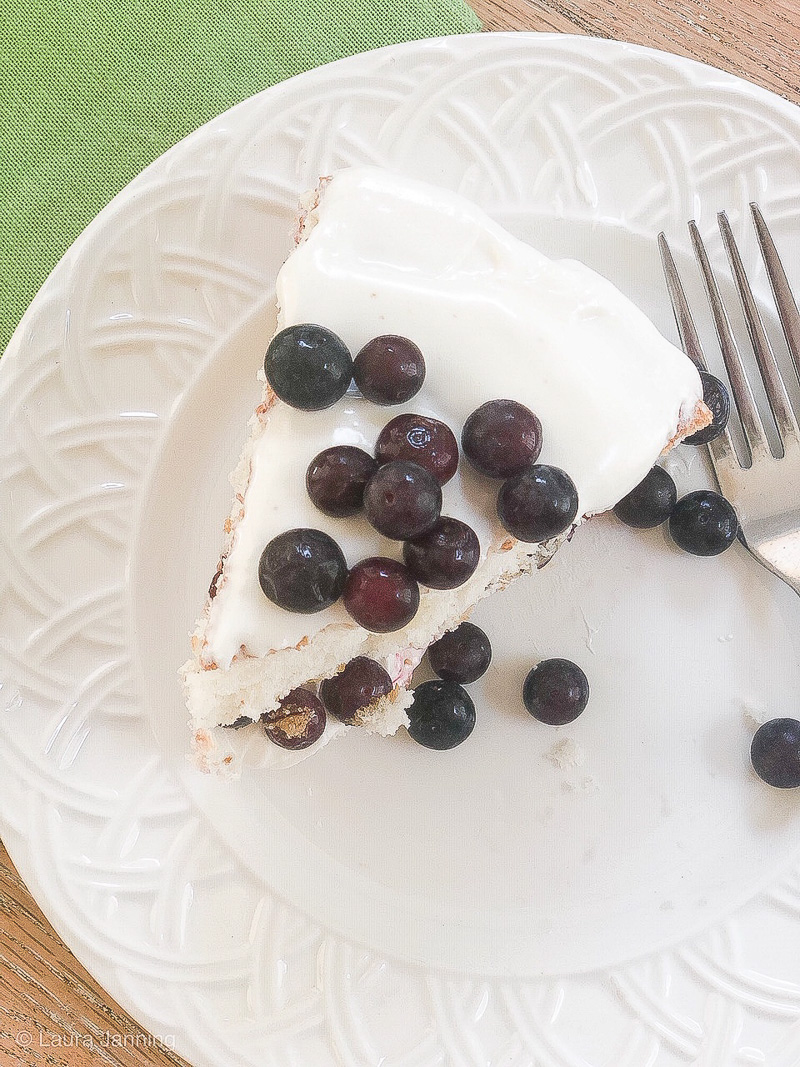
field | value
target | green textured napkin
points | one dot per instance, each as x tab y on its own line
91	93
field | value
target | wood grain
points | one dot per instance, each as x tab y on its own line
51	1011
44	992
752	38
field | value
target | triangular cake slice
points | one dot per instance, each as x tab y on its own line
381	254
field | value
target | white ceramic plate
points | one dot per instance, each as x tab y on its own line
621	892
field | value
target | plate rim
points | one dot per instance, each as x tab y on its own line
551	37
21	850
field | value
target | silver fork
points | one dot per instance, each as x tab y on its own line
765	493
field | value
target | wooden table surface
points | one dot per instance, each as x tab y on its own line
51	1011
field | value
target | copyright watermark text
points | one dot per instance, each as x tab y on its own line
42	1039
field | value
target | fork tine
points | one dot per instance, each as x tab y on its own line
740	386
722	450
773	382
784	298
687	331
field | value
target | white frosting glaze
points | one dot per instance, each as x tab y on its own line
494	318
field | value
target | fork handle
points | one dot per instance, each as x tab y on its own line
782	556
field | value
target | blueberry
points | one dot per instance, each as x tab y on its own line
308	367
361	682
538	504
703	523
716	398
297	722
463	655
418	439
502	438
555	691
650	503
445	556
775	753
302	570
238	724
402	500
381	595
336	479
441	716
389	370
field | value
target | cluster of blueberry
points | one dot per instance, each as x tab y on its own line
299	720
399	490
442	714
704	523
400	487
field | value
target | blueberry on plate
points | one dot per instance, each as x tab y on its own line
555	691
463	655
703	523
775	753
308	367
441	716
650	503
